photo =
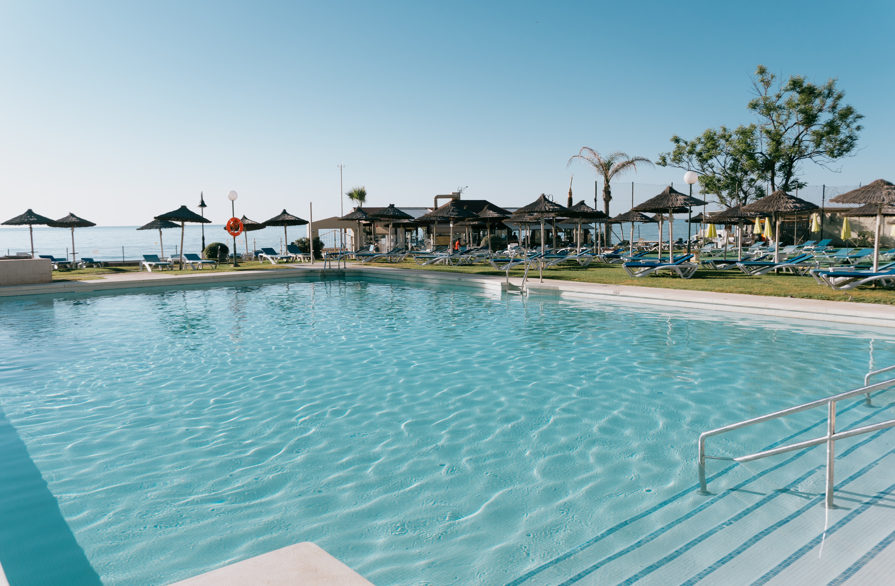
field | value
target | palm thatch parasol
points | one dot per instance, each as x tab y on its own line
878	193
450	211
634	217
490	214
728	216
159	225
183	215
357	215
776	204
285	219
581	211
671	201
391	213
543	208
72	221
31	219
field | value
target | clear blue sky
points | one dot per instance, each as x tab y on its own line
119	111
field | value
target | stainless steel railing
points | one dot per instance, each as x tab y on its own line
830	438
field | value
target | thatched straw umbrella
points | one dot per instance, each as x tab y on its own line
72	221
249	226
582	211
285	219
543	208
31	219
390	214
777	204
671	201
634	217
878	193
159	225
450	211
728	216
183	215
491	214
357	215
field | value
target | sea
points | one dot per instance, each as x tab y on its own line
117	243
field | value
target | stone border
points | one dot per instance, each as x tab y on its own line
842	312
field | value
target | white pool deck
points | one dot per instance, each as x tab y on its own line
863	552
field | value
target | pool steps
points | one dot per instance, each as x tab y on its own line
764	525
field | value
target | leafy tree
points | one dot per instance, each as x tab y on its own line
358	195
800	121
725	160
609	167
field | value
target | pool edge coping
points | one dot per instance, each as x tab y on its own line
842	312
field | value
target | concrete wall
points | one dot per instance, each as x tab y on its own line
25	271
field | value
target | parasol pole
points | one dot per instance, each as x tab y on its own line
162	244
777	238
73	261
31	231
670	236
879	218
182	230
286	237
661	221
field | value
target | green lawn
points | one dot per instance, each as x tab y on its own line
98	273
730	281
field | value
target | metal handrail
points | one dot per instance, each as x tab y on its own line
829	439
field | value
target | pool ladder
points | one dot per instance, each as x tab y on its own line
829	439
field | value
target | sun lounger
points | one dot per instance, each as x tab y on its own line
152	260
272	255
393	255
195	261
822	245
58	263
797	265
89	262
295	253
678	267
844	279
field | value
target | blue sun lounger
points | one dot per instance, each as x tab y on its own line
86	261
152	260
844	279
57	262
678	267
271	255
195	261
798	264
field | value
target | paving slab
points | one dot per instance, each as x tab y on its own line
302	564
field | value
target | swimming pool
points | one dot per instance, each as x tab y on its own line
421	435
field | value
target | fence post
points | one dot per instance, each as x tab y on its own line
122	255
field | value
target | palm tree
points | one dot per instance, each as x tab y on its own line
358	195
613	165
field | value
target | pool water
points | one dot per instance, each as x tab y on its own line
421	435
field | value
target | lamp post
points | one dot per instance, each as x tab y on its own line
690	177
232	197
341	206
202	207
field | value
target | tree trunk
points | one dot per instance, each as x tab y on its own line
607	197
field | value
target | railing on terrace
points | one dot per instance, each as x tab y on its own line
829	439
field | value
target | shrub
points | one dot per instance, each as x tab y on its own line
302	244
865	238
216	251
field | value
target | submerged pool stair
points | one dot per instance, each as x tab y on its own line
765	523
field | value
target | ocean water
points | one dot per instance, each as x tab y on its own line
421	435
126	242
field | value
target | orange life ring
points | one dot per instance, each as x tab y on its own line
234	226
